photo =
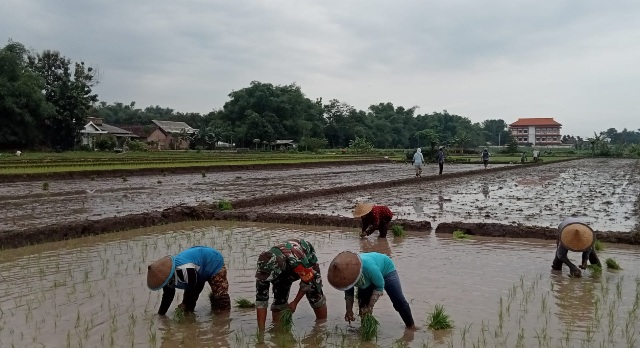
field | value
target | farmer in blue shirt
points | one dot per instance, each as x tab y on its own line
371	273
189	271
485	158
440	158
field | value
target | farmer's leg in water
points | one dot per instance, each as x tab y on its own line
394	289
281	289
593	258
220	291
561	256
314	294
384	227
441	165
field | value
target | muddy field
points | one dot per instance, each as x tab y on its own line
603	191
27	204
92	293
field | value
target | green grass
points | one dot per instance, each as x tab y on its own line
612	264
224	205
458	234
244	303
286	319
369	327
439	320
598	246
398	231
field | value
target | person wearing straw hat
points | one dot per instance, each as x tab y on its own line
440	158
485	157
374	217
189	270
282	265
575	235
371	273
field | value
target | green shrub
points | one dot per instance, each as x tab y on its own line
137	146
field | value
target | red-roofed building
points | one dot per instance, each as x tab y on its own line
536	131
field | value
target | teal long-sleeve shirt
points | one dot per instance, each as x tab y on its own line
374	267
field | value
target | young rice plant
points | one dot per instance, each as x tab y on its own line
439	320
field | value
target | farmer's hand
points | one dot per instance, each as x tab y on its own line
350	317
576	273
583	266
182	307
292	306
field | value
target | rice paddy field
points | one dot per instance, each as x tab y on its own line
91	292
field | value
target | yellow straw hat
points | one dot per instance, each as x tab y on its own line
345	270
362	209
159	273
577	237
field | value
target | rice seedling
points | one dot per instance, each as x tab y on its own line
92	178
458	234
178	315
286	319
369	327
124	179
398	231
244	303
595	270
439	320
598	246
204	175
612	264
224	205
45	186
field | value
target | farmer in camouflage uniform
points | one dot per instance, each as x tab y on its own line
282	265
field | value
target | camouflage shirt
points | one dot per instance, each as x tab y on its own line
293	259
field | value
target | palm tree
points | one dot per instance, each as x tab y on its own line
595	142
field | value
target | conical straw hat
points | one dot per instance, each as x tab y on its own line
159	273
362	209
344	270
577	237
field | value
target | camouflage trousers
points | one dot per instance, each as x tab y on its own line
220	291
282	288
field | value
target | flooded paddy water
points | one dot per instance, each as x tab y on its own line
92	292
602	191
26	204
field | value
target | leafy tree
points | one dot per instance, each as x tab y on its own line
513	145
495	131
67	87
312	144
22	105
360	145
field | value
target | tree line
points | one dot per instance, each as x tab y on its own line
45	100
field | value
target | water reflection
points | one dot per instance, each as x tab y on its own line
485	190
575	299
379	245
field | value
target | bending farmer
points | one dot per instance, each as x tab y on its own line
282	265
576	236
189	271
374	217
370	273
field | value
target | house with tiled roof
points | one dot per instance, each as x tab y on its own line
539	131
95	129
170	135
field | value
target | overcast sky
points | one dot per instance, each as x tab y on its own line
576	61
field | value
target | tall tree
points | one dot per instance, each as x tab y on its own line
68	87
22	104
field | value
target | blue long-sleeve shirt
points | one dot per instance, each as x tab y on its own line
374	267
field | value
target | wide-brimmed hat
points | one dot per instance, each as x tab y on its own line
577	236
345	270
362	209
159	273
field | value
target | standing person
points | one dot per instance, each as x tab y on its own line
282	265
189	271
418	160
371	273
374	217
485	158
576	236
536	155
440	158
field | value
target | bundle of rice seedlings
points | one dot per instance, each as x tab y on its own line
439	320
398	231
612	264
597	246
595	270
458	234
244	303
224	205
369	327
45	185
286	319
178	315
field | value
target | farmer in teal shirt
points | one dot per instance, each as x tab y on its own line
371	273
189	271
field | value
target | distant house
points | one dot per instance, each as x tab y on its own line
283	144
536	131
96	129
170	135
